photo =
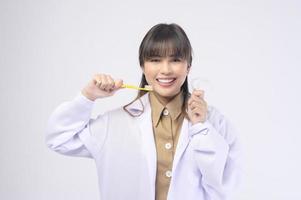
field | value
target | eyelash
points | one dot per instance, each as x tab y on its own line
155	60
173	60
176	60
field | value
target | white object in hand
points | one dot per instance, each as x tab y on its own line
199	83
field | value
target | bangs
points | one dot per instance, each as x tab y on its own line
165	48
165	42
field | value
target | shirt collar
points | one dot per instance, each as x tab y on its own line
174	107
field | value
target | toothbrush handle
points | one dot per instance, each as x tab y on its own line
134	87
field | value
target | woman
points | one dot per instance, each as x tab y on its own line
166	144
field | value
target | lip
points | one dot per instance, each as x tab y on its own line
168	84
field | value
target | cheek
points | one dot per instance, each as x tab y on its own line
182	74
182	80
149	75
149	72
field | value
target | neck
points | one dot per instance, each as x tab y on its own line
164	100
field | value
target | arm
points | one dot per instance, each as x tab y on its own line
218	156
69	128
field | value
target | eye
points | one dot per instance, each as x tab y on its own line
176	60
155	60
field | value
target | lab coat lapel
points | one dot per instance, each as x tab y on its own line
148	144
182	143
147	136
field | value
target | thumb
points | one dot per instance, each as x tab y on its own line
118	83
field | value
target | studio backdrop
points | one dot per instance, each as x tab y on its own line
247	51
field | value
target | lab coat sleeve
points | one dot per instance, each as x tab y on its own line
218	156
71	131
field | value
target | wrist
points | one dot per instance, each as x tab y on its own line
193	122
87	95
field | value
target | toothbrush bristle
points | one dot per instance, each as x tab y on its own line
149	87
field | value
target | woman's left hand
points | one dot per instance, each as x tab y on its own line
197	107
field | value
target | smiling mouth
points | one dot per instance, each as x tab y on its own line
166	81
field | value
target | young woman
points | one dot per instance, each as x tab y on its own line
166	144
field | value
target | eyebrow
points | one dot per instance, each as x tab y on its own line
171	56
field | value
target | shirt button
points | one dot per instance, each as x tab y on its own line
165	112
168	173
167	145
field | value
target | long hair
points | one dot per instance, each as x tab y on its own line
163	40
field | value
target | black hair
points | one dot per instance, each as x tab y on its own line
165	40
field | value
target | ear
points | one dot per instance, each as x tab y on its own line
142	68
188	69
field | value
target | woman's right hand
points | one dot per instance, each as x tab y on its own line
101	86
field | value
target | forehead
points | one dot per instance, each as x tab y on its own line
164	49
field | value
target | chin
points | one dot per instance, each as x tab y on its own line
166	94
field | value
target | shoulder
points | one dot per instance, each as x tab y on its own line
121	113
115	113
221	123
130	112
214	115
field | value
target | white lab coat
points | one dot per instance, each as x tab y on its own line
206	165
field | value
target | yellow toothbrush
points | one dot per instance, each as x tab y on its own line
146	88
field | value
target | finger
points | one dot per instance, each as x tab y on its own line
103	80
98	83
111	83
200	105
201	109
197	100
189	101
197	105
193	104
118	83
97	80
198	93
196	111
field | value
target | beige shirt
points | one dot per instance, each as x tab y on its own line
167	122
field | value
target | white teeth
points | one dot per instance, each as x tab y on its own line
165	80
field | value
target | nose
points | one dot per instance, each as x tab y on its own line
165	68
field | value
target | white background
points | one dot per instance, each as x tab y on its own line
249	50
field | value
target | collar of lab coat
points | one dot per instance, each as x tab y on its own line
142	109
